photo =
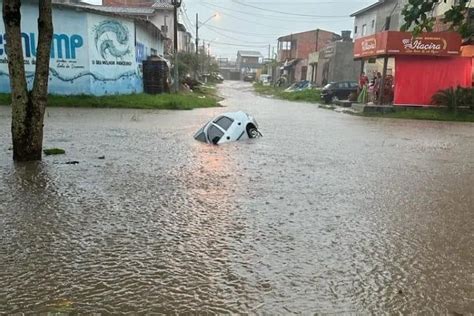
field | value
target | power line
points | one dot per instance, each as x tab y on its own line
245	20
271	17
234	38
235	44
287	13
240	33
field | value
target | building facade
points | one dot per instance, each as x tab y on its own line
294	50
92	52
248	62
380	16
336	63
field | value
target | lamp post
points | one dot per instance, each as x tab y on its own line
197	40
176	4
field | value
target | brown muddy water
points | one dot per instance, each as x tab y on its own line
327	213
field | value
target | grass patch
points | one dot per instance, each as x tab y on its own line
54	151
205	97
308	95
432	114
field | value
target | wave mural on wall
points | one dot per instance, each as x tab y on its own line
106	46
98	77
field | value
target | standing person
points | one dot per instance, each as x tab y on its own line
363	81
378	82
362	93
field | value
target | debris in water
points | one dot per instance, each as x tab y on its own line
54	151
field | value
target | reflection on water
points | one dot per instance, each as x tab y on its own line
327	213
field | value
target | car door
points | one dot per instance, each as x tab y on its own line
342	90
225	123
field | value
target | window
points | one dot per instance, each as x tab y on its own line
355	29
214	134
286	45
342	85
353	84
364	29
373	24
201	137
224	122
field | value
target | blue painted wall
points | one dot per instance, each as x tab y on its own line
91	53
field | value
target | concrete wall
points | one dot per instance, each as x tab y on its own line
367	19
161	18
91	54
336	63
392	8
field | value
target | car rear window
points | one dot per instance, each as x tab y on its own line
214	134
201	137
224	122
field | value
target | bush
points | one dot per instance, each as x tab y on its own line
455	98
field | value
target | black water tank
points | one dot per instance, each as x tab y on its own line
155	75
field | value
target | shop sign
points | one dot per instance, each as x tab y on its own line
401	43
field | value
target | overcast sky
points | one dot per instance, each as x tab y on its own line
242	24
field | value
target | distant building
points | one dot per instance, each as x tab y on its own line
294	50
129	3
93	51
248	61
161	15
228	69
335	62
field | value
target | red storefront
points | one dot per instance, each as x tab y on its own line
423	64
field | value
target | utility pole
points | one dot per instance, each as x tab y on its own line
176	4
197	47
269	48
203	54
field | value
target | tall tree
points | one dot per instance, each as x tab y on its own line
418	16
28	106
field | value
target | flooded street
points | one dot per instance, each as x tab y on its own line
327	213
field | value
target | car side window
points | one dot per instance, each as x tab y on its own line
342	85
214	134
354	85
224	122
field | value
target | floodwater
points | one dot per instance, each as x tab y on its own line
327	213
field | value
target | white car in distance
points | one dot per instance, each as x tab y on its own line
228	127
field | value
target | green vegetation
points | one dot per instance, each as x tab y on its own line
434	114
54	151
205	97
418	16
455	98
308	95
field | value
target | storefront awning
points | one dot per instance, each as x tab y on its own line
391	43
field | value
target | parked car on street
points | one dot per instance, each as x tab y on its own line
339	90
228	127
250	77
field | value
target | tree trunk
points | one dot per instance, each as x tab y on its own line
27	108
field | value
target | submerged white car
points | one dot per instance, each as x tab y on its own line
228	127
